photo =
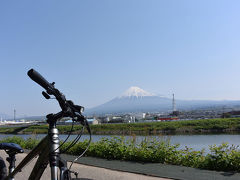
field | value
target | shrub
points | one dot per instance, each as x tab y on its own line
221	158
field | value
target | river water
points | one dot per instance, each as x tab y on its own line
197	142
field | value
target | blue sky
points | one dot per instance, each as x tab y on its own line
94	50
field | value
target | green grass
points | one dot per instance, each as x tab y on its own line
220	158
231	124
147	128
10	130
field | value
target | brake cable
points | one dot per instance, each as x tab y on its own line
89	142
69	134
74	141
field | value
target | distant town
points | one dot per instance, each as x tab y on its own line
135	99
137	117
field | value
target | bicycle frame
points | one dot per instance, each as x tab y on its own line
48	151
48	148
39	166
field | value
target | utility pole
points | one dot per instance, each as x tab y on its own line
173	104
14	114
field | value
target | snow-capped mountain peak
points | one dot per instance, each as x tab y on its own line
136	92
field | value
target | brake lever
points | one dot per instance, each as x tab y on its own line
83	121
78	117
45	95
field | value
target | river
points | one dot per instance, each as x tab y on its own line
197	142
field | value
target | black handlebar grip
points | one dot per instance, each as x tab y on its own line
35	76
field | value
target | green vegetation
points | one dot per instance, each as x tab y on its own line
11	130
43	129
190	126
148	128
221	158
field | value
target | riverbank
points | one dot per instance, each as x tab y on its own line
171	127
151	150
148	128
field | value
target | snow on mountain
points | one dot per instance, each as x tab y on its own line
135	91
136	99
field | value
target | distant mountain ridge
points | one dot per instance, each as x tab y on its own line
136	99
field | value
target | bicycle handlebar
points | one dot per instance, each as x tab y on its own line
35	76
69	109
67	106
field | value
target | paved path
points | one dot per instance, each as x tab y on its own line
85	172
158	169
90	168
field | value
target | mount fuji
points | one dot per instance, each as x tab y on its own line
136	99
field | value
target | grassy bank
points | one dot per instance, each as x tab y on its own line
148	128
220	158
151	128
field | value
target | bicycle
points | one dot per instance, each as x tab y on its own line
51	154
